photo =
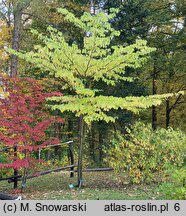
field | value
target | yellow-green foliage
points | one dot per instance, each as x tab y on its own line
143	153
79	68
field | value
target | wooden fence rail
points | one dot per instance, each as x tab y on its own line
43	173
10	180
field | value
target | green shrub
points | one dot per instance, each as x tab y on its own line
143	154
3	159
175	185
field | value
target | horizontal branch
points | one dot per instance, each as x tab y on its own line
5	149
68	142
48	146
175	103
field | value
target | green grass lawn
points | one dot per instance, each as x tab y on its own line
102	186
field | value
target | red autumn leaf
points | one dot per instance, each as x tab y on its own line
24	119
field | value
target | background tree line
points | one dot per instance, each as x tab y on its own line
160	23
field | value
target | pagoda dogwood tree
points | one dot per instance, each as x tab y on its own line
80	67
23	121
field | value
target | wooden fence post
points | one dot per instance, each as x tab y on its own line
15	170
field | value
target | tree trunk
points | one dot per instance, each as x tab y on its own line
168	110
71	155
154	91
100	146
70	150
16	39
80	154
92	7
92	143
14	63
